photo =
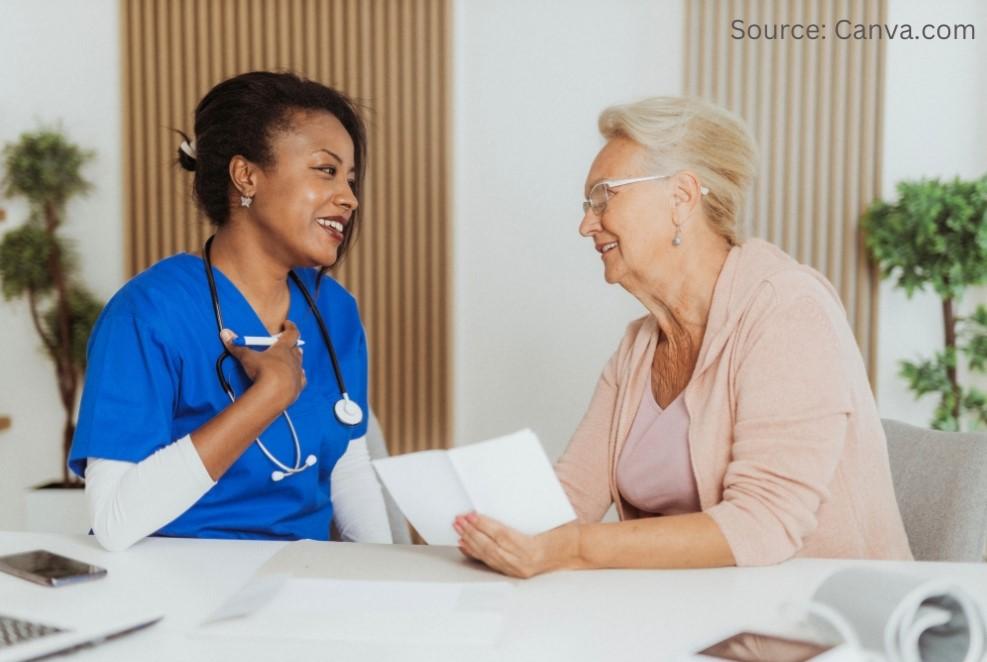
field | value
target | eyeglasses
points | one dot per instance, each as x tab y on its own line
601	192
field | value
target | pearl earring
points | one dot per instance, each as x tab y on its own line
677	239
246	201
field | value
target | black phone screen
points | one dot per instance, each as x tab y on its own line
754	647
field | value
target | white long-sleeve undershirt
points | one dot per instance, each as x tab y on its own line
129	501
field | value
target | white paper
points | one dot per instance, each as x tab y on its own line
256	594
888	611
509	479
379	611
427	490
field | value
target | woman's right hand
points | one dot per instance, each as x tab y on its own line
276	370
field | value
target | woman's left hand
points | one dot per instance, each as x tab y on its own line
513	553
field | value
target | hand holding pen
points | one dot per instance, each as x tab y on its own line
277	370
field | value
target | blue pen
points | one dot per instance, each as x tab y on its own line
260	341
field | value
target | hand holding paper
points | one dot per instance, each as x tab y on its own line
508	479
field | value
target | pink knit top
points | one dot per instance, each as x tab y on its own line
654	472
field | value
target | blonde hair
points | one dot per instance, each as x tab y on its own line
682	133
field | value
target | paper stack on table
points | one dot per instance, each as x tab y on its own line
508	479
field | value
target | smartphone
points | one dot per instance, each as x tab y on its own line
757	647
48	569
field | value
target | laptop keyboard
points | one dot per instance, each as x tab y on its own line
14	631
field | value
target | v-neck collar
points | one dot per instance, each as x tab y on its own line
296	301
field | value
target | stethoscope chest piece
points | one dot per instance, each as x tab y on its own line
347	411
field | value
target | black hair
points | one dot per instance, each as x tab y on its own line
240	115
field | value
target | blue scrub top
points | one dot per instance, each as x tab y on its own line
151	379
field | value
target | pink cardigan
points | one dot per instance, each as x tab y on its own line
787	447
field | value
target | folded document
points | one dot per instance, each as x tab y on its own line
508	479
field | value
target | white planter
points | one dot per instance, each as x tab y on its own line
56	510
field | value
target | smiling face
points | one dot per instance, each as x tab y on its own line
634	235
304	201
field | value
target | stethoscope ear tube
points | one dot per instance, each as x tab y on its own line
222	377
353	417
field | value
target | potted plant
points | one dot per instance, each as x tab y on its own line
936	235
38	265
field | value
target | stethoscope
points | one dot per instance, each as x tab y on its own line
347	411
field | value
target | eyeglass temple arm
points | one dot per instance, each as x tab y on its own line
633	180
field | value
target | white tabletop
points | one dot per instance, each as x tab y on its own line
586	615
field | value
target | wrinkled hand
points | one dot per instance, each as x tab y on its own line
513	553
277	369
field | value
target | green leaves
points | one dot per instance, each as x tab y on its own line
24	256
931	377
83	309
25	260
935	234
36	263
973	334
45	168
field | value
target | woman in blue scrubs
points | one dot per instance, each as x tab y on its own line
171	441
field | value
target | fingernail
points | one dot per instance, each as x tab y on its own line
471	517
227	335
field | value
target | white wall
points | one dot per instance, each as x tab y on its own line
534	320
935	126
59	66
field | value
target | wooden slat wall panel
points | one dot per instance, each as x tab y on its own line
391	55
814	107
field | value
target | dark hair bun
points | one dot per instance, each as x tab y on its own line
186	161
186	152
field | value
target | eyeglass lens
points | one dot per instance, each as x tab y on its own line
598	197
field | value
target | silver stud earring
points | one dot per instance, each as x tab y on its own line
246	201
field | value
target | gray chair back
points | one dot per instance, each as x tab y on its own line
377	448
940	481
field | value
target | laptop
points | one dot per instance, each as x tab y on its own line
23	639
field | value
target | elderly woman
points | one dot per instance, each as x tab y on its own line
735	424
